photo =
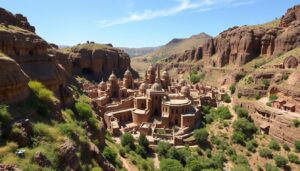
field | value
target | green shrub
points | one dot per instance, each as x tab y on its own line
143	141
249	80
201	135
162	148
127	140
240	159
250	147
296	123
273	97
257	96
238	138
232	89
170	165
265	152
242	112
110	155
239	95
227	98
245	126
266	82
4	114
83	110
140	150
286	147
285	76
221	112
293	158
122	152
270	167
273	144
41	92
269	104
297	145
280	161
206	109
196	77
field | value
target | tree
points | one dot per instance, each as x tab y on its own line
140	150
127	140
297	145
143	141
162	148
173	154
201	135
109	154
170	165
280	161
273	144
296	123
245	126
194	165
232	89
238	137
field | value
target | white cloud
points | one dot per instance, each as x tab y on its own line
183	5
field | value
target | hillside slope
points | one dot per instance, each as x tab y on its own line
173	48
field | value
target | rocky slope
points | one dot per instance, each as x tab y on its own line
37	60
48	124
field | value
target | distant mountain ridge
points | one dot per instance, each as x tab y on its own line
133	52
178	46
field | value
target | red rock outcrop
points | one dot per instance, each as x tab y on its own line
18	20
100	60
188	55
13	84
291	15
28	57
239	45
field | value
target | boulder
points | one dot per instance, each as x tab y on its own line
23	133
41	159
291	15
67	156
13	84
9	167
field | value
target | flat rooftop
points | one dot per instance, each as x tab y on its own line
178	102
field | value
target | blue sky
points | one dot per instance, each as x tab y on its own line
141	23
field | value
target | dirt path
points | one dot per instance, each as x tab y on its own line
156	161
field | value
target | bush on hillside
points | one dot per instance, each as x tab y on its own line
280	161
162	148
170	165
227	98
273	144
127	140
293	158
41	92
265	152
232	89
201	135
110	155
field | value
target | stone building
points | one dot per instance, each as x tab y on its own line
151	106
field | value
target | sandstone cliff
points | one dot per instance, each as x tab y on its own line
239	45
98	60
